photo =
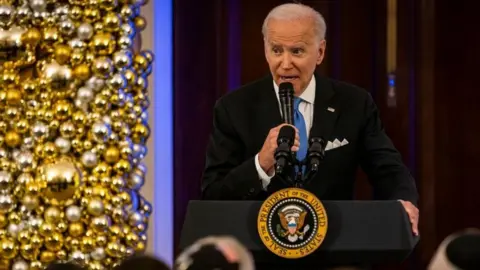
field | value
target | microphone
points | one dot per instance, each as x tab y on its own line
315	154
283	153
285	94
464	251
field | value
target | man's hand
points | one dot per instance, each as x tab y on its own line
266	156
413	214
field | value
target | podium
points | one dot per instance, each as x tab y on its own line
359	232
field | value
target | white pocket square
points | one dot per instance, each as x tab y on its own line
335	144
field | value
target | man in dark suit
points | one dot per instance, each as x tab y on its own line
240	155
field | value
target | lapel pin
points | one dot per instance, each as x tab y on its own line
330	109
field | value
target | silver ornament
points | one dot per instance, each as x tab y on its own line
6	181
38	17
20	265
7	13
117	81
77	44
67	27
89	159
23	15
28	143
122	59
128	29
73	213
39	130
135	218
107	120
125	42
85	94
95	83
61	12
144	116
38	5
78	257
25	161
35	223
85	31
63	145
142	167
100	131
13	229
135	181
98	254
3	153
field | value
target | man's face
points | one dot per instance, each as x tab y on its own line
293	52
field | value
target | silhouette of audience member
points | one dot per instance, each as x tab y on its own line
215	253
63	266
459	251
142	262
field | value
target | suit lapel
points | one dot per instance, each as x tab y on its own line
326	111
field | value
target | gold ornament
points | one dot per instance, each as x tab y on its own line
61	181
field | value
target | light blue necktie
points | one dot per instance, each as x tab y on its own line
302	129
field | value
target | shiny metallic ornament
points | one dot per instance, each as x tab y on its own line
40	130
23	15
89	159
100	131
135	181
95	83
61	12
62	179
85	31
85	94
6	181
77	44
98	254
13	228
73	213
26	161
7	13
63	145
67	27
125	42
20	265
38	5
117	81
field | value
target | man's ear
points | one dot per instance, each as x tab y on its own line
321	51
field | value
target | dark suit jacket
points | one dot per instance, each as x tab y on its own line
243	118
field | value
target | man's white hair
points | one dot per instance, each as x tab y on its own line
296	11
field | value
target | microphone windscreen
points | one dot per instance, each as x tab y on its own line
286	132
464	251
285	89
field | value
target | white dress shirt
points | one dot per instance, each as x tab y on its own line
306	108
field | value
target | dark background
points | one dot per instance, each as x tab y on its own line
218	47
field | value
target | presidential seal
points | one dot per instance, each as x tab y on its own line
292	223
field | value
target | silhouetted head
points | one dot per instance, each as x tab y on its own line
219	253
142	262
63	266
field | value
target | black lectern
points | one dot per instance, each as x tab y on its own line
359	232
